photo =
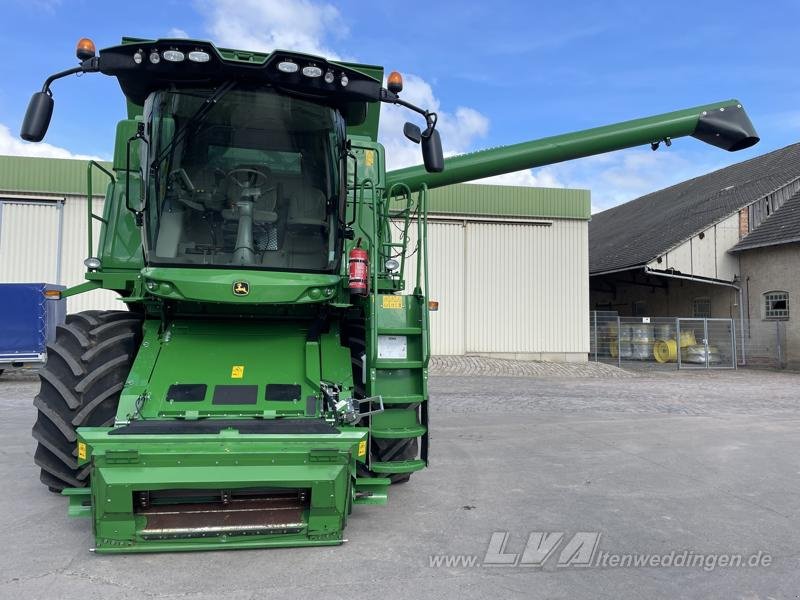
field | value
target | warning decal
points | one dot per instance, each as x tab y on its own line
392	302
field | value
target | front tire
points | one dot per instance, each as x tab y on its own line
87	366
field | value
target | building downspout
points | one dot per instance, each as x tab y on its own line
738	288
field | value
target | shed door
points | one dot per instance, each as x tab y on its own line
526	290
30	236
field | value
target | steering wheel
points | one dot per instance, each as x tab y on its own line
247	178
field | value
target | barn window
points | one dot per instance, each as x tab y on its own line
776	305
701	308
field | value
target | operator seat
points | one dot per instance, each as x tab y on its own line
306	228
306	208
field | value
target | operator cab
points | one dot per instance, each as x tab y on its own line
243	155
243	176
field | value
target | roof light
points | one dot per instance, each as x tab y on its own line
154	57
85	49
199	56
344	80
138	57
312	71
329	76
174	55
287	66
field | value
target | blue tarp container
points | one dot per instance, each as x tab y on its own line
28	322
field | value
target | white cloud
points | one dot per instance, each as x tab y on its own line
543	177
11	145
267	25
621	176
459	129
177	32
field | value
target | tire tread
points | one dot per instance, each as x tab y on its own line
87	366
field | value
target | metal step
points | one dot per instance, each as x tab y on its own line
398	433
414	399
399	330
383	363
399	466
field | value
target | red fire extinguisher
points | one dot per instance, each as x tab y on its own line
359	270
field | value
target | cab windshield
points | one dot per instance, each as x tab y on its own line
243	177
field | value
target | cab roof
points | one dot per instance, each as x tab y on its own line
142	67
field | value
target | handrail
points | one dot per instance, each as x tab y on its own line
89	199
422	249
405	192
373	249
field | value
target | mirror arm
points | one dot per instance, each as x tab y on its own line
90	65
392	98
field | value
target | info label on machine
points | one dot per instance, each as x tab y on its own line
393	347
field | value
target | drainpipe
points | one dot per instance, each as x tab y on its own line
649	271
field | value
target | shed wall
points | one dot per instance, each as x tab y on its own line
35	231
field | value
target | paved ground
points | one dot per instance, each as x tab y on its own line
698	462
501	367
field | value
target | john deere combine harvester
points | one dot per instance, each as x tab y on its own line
270	370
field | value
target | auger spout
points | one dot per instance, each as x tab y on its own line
723	124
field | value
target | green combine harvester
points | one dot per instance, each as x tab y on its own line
270	370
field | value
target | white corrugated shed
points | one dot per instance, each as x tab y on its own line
514	288
36	230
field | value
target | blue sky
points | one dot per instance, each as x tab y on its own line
498	72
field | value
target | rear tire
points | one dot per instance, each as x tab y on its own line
388	450
87	366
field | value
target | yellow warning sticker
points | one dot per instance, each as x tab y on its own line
237	371
362	448
392	302
369	157
81	451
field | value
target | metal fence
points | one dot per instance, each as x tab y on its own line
662	342
765	344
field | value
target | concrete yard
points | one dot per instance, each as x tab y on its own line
700	463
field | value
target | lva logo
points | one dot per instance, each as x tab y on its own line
577	551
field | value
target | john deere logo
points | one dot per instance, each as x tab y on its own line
241	288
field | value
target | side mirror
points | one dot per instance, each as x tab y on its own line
37	117
412	132
432	151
